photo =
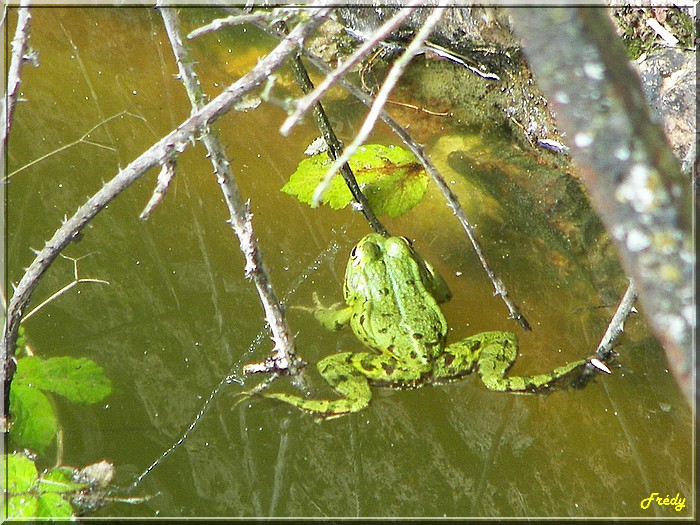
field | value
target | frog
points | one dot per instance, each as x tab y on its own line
392	297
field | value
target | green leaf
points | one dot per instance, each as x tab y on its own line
24	506
21	474
34	422
390	177
80	380
52	505
60	479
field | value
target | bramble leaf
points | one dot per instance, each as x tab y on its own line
390	177
80	380
34	421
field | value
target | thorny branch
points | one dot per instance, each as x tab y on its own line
20	44
283	358
157	154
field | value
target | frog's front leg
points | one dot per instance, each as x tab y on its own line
334	317
339	371
492	354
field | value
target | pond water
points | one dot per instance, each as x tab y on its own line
178	315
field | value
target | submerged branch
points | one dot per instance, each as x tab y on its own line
175	141
75	282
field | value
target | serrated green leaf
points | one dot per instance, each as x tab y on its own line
24	506
60	480
80	380
52	505
34	422
390	177
21	474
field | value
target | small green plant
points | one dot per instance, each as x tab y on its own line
34	421
390	177
31	495
60	492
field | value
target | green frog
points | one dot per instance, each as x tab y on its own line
392	295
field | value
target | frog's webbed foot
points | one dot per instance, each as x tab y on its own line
340	373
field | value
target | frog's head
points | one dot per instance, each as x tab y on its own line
375	260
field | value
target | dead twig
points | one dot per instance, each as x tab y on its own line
220	23
617	324
165	177
76	281
604	353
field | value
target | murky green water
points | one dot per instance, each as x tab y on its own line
178	314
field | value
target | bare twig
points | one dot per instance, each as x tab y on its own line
604	353
76	281
20	43
283	358
377	106
82	140
303	105
177	140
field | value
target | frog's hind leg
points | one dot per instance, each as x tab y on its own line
339	371
493	353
